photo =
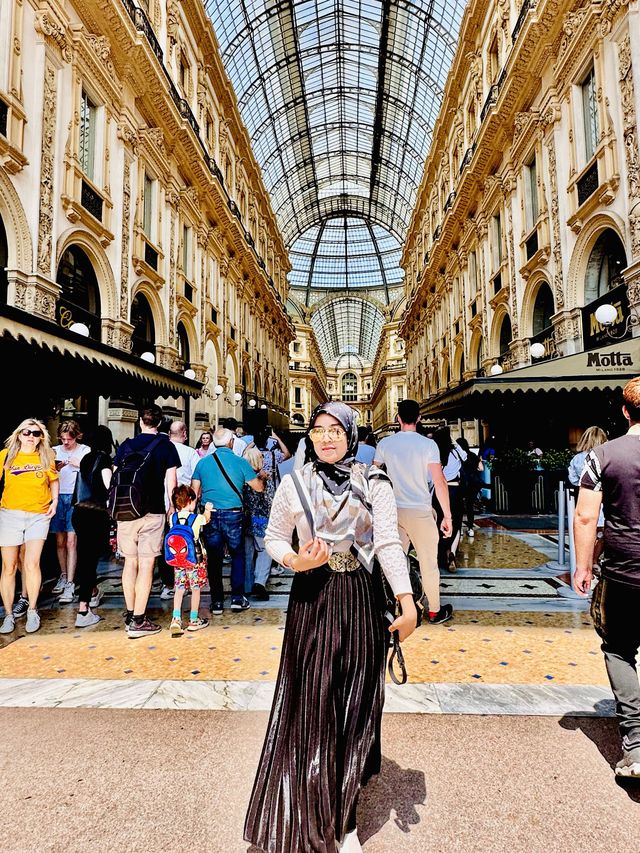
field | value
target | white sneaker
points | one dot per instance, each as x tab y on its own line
8	625
86	620
60	585
629	766
97	598
166	593
33	621
69	592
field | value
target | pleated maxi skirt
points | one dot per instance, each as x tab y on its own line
323	738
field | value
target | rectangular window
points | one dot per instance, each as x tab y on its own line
497	242
296	346
532	209
473	274
186	250
147	199
297	395
590	114
88	117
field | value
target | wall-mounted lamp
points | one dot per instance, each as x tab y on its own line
607	315
189	373
496	369
252	403
80	329
148	356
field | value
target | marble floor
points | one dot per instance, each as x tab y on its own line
515	645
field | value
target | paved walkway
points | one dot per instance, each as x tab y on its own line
85	781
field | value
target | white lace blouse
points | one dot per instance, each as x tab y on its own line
287	513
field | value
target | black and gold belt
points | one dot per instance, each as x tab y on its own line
343	561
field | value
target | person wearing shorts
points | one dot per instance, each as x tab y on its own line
69	454
29	501
140	541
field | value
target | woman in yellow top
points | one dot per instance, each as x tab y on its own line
29	501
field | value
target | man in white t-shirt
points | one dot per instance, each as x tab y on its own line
413	464
68	456
188	455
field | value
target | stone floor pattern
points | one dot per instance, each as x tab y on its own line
515	643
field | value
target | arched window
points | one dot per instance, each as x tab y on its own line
183	346
4	260
543	309
79	300
143	337
505	334
604	269
349	387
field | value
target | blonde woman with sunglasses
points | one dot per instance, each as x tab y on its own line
29	502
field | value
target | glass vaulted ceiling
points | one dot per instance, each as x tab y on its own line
339	98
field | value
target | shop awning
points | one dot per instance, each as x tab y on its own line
607	368
48	356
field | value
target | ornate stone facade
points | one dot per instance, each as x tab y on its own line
142	194
549	184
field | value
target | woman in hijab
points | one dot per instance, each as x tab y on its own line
323	738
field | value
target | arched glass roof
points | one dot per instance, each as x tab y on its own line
345	253
347	326
339	99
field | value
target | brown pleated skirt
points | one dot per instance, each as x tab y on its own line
323	738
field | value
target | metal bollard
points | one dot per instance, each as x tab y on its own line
561	520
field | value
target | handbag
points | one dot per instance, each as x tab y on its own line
83	495
392	610
391	604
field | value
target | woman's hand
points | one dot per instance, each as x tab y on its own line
406	623
53	506
311	555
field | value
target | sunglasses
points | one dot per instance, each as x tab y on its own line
335	433
36	433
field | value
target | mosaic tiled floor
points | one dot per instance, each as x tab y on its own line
497	648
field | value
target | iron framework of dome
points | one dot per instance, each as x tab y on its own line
339	100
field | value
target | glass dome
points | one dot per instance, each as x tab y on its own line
345	253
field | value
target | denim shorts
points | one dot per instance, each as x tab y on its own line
61	521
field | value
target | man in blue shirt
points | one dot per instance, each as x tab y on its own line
219	478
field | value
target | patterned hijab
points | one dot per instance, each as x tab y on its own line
339	493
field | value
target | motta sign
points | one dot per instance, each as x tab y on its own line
608	361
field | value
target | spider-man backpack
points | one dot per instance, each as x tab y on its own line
180	545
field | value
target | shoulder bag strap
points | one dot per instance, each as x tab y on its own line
226	476
304	501
397	653
275	473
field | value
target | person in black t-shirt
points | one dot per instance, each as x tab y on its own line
611	480
140	541
91	521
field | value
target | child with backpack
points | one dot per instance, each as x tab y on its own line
182	550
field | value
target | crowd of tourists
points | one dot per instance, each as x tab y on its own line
342	522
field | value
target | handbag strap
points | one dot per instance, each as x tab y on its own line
397	653
304	501
227	477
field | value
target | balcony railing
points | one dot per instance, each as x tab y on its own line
91	201
150	256
468	154
588	183
524	11
531	246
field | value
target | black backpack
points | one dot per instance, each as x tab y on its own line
128	495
